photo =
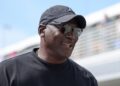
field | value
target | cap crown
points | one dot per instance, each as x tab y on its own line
54	13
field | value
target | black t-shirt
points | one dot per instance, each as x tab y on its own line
29	70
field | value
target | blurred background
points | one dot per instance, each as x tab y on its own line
98	48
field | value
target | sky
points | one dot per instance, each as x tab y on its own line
19	18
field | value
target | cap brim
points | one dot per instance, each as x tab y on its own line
80	20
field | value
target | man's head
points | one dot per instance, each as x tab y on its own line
59	28
61	14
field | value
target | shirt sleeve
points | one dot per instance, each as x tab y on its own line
3	76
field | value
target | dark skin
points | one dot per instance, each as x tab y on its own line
56	47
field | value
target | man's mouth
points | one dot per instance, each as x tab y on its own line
68	45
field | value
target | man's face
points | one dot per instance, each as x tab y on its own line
61	40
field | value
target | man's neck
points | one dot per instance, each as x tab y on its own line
49	56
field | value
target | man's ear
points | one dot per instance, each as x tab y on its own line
41	30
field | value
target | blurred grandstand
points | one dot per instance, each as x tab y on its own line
102	33
97	48
20	48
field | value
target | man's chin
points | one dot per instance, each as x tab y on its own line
67	55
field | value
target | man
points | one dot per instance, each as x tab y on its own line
59	29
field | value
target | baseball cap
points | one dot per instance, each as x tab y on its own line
60	14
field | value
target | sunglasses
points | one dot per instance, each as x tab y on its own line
68	28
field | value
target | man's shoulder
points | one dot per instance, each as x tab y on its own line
77	66
81	70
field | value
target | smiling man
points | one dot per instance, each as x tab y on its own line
49	65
